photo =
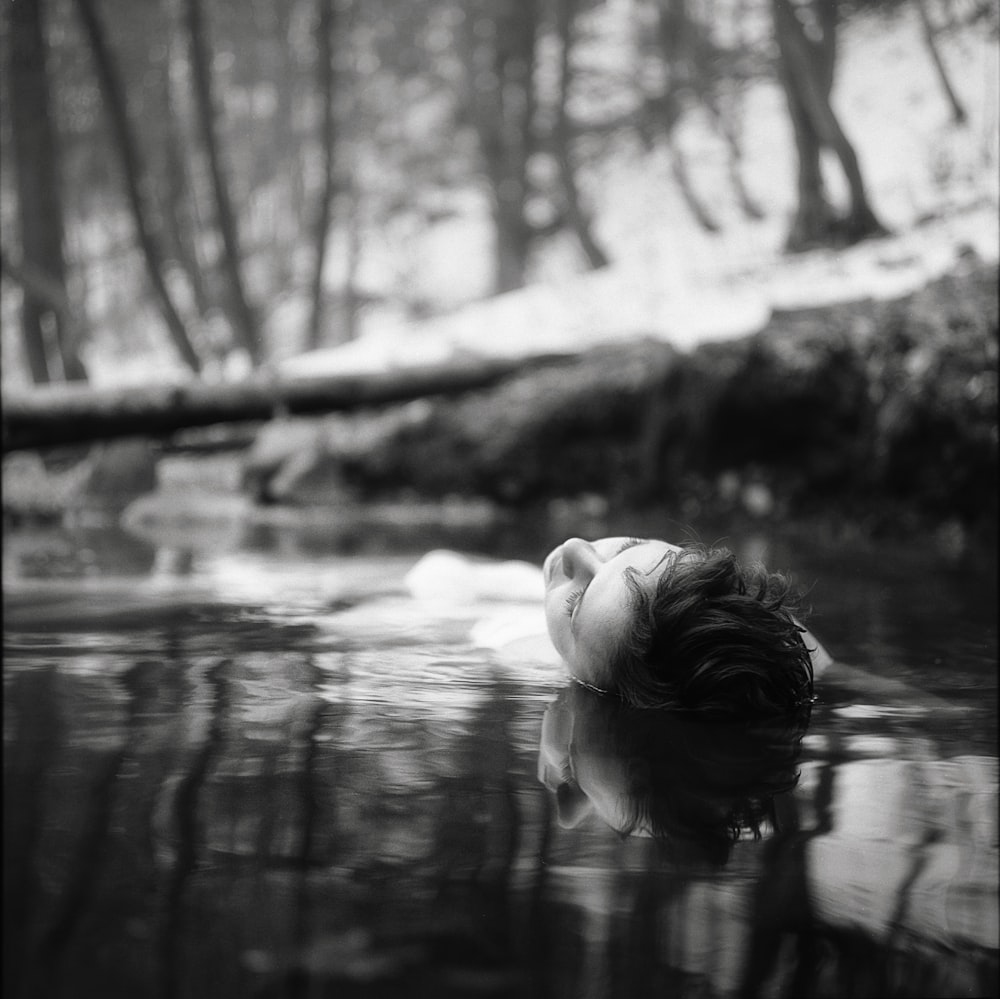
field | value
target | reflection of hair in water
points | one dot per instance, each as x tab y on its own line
696	786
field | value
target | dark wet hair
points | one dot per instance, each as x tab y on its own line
714	637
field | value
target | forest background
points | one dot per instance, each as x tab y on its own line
207	190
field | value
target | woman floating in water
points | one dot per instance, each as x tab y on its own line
670	626
655	624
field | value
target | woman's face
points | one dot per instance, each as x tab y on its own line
588	603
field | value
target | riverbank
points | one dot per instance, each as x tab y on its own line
879	412
880	416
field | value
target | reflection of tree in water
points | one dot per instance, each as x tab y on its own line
30	698
799	949
657	912
787	914
103	756
239	822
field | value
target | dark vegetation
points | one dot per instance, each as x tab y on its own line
867	409
882	412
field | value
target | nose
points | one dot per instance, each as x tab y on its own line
580	560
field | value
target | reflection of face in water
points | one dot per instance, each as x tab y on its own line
663	774
588	601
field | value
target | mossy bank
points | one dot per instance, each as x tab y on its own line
880	412
881	415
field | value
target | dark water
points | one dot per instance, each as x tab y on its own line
262	770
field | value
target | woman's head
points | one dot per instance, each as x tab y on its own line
663	625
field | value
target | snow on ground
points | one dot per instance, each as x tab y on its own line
630	300
933	183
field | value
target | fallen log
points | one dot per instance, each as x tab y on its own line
54	415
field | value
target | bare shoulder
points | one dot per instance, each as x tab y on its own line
821	659
861	681
886	689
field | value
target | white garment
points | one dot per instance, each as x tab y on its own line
510	594
443	574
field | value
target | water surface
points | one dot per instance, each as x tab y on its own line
261	769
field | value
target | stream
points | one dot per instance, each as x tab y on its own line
257	767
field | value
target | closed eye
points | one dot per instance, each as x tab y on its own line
573	600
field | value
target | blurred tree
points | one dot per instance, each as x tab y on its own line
806	69
708	66
679	41
325	35
245	322
958	112
577	217
42	271
182	216
290	85
518	124
499	51
448	117
137	181
698	59
52	295
263	74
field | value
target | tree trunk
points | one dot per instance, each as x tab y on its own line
180	216
135	176
512	246
350	293
50	294
676	40
576	215
958	113
501	67
190	217
807	75
325	88
725	118
814	221
180	231
58	415
734	158
678	167
289	96
40	214
244	319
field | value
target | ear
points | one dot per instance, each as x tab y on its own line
572	805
